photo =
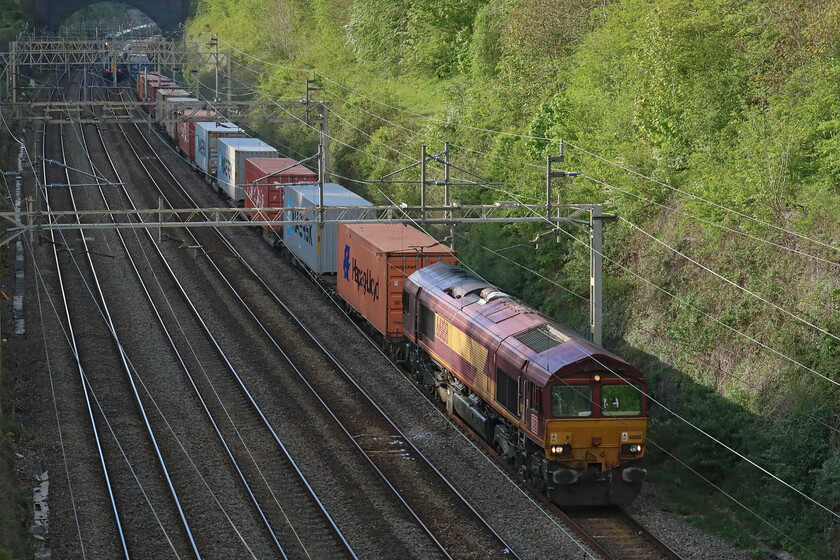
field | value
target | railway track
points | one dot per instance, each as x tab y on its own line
289	510
125	439
409	509
445	516
615	535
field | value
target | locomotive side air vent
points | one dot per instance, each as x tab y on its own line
541	338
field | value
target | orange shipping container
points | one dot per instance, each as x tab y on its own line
373	262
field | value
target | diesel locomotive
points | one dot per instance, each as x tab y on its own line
570	415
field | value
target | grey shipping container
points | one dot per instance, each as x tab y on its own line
160	96
317	246
207	136
232	155
172	106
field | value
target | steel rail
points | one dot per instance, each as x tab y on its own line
244	388
124	358
178	354
614	547
344	371
83	377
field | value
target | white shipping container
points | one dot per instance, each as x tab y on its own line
317	246
232	155
207	136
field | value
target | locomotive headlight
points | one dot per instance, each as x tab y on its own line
561	449
630	449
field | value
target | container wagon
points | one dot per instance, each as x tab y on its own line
265	180
317	246
232	155
186	128
207	135
373	262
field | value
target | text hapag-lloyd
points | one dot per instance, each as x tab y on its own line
365	281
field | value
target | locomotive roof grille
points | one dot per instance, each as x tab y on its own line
541	338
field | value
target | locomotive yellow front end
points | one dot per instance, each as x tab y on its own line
594	433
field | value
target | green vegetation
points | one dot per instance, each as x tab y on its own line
730	102
11	18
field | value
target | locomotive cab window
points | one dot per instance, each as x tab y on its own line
620	400
427	322
571	400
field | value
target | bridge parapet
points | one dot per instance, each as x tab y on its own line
50	14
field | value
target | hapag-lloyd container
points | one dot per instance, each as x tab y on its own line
373	262
264	184
317	246
207	136
232	155
186	128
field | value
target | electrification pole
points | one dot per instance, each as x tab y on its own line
596	248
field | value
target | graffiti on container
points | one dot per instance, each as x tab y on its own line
256	195
302	231
201	147
227	168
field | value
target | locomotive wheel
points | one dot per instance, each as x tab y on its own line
519	465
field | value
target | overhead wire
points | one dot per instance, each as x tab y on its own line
96	304
237	430
613	187
446	122
730	282
549	139
701	199
707	435
501	190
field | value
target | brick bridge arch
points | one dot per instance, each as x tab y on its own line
50	14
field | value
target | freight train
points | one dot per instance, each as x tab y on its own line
568	415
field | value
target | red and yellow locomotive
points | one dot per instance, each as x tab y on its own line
571	415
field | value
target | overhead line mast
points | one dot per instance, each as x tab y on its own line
187	54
